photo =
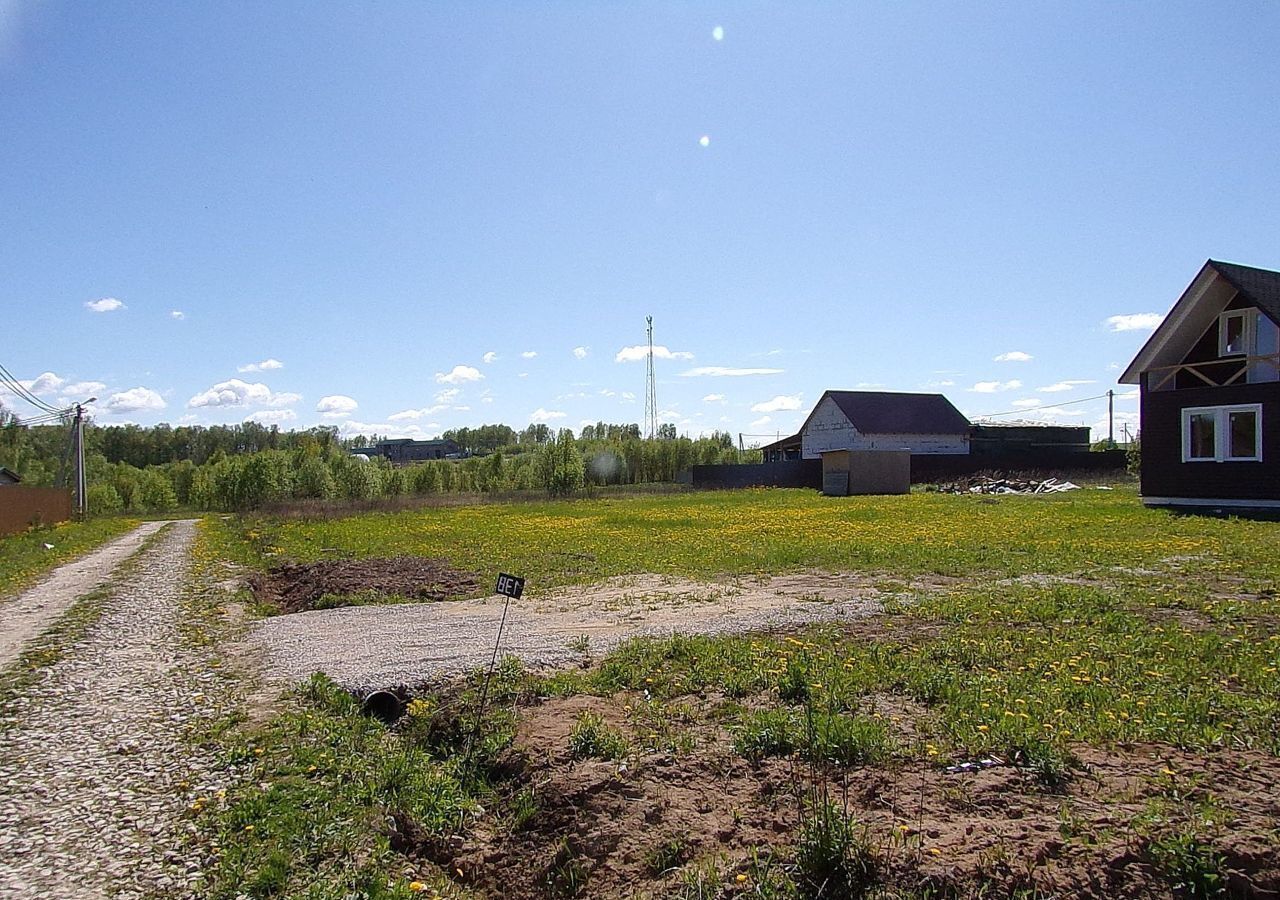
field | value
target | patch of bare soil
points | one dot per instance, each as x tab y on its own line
297	587
636	829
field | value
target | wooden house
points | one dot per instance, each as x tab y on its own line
1209	382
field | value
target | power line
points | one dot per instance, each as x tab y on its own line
1031	409
46	419
20	389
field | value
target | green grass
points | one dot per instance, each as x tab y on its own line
767	531
24	557
1156	628
1025	671
321	781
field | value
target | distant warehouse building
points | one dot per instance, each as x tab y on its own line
401	451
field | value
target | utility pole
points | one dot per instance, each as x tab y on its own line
82	482
1111	418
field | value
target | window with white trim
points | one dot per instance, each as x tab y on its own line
1236	329
1222	433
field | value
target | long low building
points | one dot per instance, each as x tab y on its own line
401	451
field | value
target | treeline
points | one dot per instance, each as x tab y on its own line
265	466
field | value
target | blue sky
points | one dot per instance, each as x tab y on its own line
406	217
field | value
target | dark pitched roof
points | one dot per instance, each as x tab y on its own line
1190	315
884	412
1260	286
8	476
786	443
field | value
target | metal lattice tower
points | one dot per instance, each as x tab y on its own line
651	391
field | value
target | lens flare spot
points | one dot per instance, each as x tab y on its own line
705	141
718	32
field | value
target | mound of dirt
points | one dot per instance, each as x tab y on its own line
644	828
298	587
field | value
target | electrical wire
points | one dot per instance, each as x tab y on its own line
1031	409
22	391
46	419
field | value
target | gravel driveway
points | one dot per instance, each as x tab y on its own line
35	609
369	647
92	760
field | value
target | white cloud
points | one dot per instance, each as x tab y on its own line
580	352
778	404
272	416
1128	395
104	305
349	428
529	354
137	399
238	393
1063	386
641	351
265	366
726	372
489	357
713	398
628	397
763	420
447	395
177	314
44	384
1026	404
993	387
1134	322
79	390
336	406
459	375
545	415
1014	356
405	414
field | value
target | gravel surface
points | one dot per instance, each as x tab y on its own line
369	647
94	774
34	610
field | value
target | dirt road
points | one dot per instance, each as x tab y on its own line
35	609
92	761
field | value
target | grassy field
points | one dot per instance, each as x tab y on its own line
769	531
24	557
1116	667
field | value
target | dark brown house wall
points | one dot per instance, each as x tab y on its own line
1164	474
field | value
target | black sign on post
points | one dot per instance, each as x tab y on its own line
510	586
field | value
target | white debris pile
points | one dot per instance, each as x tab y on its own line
986	484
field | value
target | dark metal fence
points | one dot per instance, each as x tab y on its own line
21	507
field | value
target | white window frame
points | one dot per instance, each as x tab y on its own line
1248	331
1221	432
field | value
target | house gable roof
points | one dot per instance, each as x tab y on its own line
888	412
1216	284
8	476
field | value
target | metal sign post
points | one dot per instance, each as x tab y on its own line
511	587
